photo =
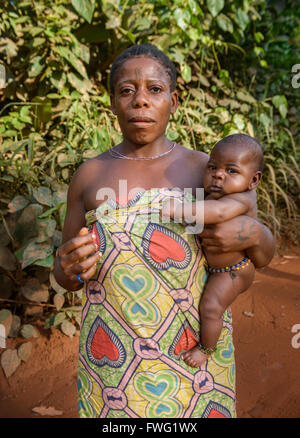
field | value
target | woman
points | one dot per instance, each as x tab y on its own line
144	279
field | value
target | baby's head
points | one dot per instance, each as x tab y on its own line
235	166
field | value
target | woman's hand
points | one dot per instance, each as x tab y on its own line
78	255
241	233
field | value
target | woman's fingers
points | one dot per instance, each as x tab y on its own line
76	242
78	254
83	267
85	276
83	231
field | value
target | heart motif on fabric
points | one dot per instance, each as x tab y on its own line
100	237
103	347
138	287
216	410
185	339
160	390
164	249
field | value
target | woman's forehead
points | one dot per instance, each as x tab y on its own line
142	67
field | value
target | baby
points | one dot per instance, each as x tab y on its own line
233	172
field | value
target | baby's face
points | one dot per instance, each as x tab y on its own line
228	171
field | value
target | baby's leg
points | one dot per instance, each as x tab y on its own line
220	291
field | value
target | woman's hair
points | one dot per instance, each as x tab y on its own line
143	50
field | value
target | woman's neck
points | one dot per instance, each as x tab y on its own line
147	150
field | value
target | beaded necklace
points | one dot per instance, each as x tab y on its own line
117	154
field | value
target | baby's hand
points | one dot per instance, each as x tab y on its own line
171	209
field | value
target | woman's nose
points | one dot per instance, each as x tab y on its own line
140	99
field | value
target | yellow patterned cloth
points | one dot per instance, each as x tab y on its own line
140	313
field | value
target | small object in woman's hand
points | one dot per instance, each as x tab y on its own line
79	279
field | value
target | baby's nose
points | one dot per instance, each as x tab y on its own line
219	173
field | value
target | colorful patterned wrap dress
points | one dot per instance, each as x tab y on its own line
140	312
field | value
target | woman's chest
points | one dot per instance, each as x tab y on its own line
124	181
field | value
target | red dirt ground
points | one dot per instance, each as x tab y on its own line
268	366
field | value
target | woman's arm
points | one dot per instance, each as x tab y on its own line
242	233
77	243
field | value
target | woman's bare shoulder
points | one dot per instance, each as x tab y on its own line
87	171
197	158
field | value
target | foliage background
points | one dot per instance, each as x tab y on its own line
234	62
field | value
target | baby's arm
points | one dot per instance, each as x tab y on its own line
210	211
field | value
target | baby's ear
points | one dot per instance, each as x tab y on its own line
255	180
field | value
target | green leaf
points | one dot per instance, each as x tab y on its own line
215	6
69	56
182	17
35	251
58	301
24	351
241	18
28	331
225	23
43	195
245	97
68	328
84	85
48	212
258	37
49	322
10	361
59	318
45	263
36	67
58	79
85	8
15	326
186	73
239	121
281	104
18	203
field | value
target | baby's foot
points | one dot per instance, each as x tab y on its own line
194	357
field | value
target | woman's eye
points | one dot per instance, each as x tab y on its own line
156	89
126	91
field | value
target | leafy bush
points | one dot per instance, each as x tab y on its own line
234	60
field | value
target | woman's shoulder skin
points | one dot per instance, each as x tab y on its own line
97	172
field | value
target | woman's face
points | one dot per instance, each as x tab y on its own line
142	100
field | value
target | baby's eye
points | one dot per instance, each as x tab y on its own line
231	171
211	167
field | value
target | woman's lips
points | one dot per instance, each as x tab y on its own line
141	122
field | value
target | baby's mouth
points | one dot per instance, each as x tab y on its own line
215	188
